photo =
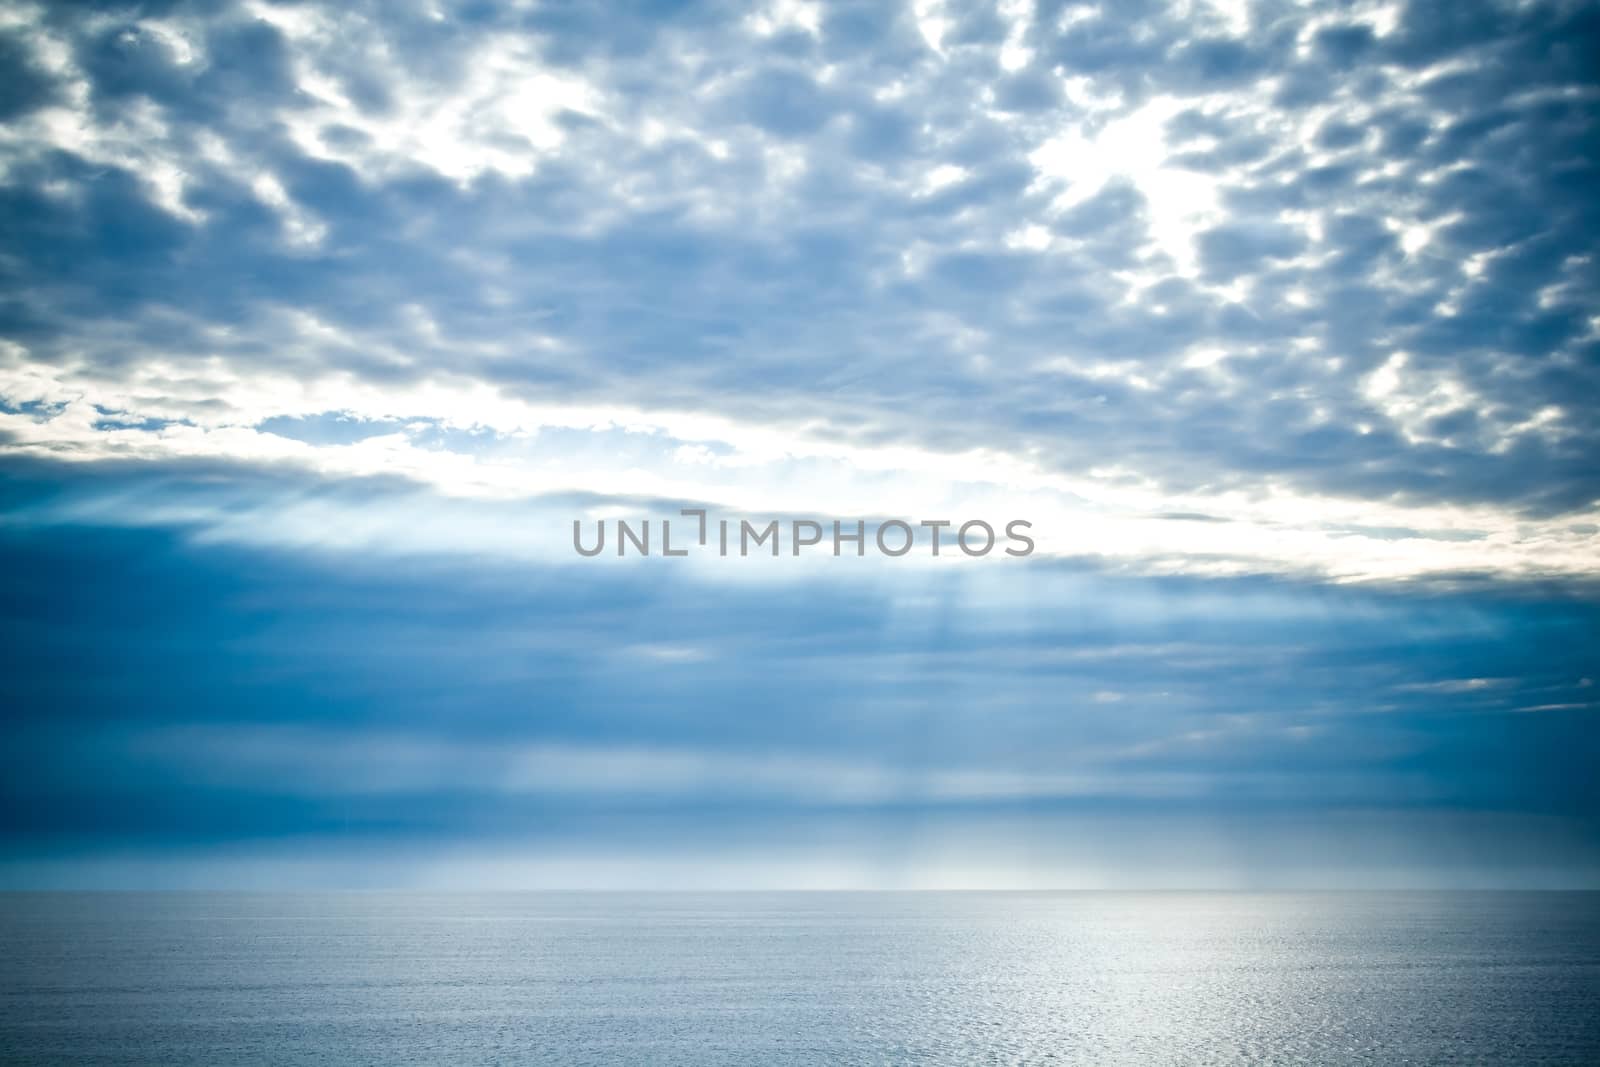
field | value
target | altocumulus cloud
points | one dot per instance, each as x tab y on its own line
320	323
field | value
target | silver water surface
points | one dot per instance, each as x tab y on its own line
746	978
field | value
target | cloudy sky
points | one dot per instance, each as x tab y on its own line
319	325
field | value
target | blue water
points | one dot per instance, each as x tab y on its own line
1112	978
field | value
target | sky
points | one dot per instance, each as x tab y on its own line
320	325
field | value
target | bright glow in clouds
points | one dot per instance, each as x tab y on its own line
1181	202
691	457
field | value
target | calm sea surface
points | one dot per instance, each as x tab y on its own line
1092	978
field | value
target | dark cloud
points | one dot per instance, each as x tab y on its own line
23	86
165	692
1238	249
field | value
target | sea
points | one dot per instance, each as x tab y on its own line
800	978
